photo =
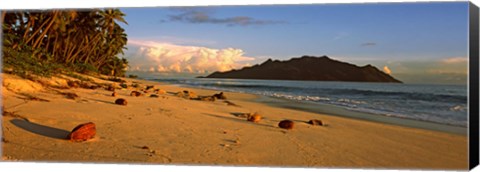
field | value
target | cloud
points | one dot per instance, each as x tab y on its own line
453	70
166	57
197	16
422	67
454	60
387	70
368	44
179	40
443	71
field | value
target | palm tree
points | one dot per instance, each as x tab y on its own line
109	17
68	37
115	37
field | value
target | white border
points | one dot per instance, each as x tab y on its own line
50	4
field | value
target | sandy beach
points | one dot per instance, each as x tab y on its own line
169	129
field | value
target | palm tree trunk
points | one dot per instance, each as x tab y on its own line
80	50
55	45
92	50
44	32
29	25
36	32
4	13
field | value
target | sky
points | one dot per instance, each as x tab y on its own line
414	42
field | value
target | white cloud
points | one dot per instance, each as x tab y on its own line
167	57
444	71
387	70
455	60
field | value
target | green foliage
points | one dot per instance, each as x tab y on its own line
115	79
115	67
84	68
81	78
23	64
132	76
48	42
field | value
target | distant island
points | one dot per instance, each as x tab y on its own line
309	68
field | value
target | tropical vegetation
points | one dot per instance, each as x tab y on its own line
48	42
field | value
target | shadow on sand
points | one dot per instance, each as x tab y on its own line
40	129
239	120
102	101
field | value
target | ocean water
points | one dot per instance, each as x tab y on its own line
444	104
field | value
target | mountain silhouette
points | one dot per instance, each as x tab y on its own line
308	68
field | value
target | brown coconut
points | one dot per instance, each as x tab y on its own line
135	93
121	102
254	118
286	124
83	132
110	87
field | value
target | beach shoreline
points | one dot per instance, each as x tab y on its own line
172	130
321	108
352	114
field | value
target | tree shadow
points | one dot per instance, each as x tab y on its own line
101	101
41	129
239	120
229	103
240	114
28	97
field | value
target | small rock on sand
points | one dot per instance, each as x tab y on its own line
187	94
159	91
315	122
149	87
73	84
70	95
220	96
88	85
123	85
207	98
